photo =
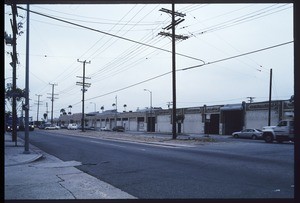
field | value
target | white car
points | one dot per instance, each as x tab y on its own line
248	133
104	129
52	127
72	126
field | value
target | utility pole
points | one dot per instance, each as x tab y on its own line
84	85
174	37
52	99
38	107
26	107
116	105
150	117
14	65
270	98
251	99
47	112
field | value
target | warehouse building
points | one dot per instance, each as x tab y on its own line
216	119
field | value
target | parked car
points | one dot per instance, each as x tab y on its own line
248	133
51	127
118	129
104	129
72	126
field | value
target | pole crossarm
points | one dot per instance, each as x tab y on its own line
171	12
177	37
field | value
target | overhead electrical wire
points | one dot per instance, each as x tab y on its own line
232	57
122	59
126	56
112	21
187	68
109	34
112	43
242	19
115	35
74	87
191	67
107	42
94	75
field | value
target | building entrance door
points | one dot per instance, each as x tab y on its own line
151	124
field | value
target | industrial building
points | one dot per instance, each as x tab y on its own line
216	119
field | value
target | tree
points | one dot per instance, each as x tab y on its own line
102	108
19	93
70	107
63	111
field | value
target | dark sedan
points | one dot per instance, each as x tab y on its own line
118	129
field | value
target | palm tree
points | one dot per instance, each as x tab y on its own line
20	94
124	107
63	111
70	107
102	108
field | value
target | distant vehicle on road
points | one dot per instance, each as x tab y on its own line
118	129
9	127
31	126
51	127
72	126
248	133
104	129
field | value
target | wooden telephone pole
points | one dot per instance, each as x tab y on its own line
174	38
84	85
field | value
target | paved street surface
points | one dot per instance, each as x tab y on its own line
154	166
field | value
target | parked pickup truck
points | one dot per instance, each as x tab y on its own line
283	131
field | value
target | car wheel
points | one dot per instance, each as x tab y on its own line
235	136
269	138
254	137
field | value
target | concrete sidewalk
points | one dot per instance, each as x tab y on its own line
38	175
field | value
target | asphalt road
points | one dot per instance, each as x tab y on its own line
235	169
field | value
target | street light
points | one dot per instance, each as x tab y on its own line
150	118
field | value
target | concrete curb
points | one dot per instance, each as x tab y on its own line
152	143
19	158
36	158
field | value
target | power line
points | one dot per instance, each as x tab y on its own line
106	33
112	21
242	19
232	57
118	90
191	67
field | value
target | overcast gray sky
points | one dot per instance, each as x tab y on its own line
215	31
